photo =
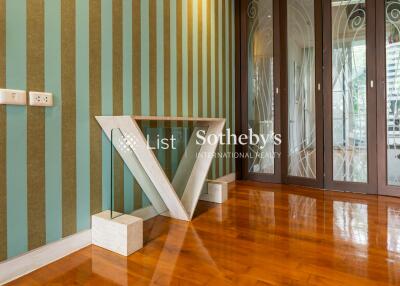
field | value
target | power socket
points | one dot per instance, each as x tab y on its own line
12	97
40	98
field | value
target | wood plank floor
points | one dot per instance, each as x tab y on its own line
264	235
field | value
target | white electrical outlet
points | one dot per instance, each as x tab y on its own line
12	97
40	98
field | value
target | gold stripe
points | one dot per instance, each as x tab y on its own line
136	46
209	58
167	59
209	113
190	55
95	105
68	87
224	148
231	100
216	74
35	126
118	99
153	56
3	125
200	56
136	57
179	54
167	82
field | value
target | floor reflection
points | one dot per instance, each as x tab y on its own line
302	213
263	235
351	222
393	229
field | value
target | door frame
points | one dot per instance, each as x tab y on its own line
383	187
371	186
318	182
243	8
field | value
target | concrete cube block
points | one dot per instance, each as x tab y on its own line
122	235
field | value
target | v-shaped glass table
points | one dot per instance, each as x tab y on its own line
133	147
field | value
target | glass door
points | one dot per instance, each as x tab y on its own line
260	88
350	95
303	137
388	47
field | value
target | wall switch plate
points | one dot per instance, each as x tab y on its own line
40	98
12	97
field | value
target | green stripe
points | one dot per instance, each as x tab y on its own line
195	59
127	95
174	56
82	116
185	111
17	235
145	73
160	57
219	79
3	134
205	59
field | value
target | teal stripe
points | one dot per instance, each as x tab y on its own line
53	120
220	80
127	95
160	57
106	93
226	66
195	59
145	71
185	57
205	55
160	73
213	71
17	227
174	57
82	116
174	83
144	21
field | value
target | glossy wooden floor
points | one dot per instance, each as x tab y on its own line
264	235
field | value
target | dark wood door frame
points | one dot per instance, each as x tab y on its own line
376	120
371	186
383	187
243	8
318	182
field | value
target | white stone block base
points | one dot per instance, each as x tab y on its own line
216	192
123	234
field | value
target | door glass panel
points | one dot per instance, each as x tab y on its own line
349	94
392	16
260	84
301	88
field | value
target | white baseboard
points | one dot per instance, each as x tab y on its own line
145	213
230	178
37	258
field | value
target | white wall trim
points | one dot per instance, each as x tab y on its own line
145	213
230	178
28	262
21	265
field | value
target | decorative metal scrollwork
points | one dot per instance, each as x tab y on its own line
252	9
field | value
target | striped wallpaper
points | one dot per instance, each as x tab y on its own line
98	57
